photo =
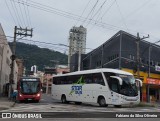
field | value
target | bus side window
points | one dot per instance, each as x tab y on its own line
58	80
76	78
70	79
54	80
63	80
87	78
98	79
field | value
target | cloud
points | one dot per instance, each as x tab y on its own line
139	16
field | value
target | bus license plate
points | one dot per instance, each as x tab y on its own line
29	99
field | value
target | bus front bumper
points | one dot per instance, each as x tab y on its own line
22	97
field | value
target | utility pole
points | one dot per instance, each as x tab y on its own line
138	57
24	32
138	54
79	59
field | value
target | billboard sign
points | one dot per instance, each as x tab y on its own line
157	68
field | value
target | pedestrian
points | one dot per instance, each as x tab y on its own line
14	95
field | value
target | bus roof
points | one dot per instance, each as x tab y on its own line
95	71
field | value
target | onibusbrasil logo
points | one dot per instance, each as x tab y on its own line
77	87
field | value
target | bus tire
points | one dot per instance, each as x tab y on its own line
102	102
37	101
117	106
78	103
63	99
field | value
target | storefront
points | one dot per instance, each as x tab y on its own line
151	90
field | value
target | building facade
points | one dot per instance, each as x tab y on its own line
120	52
5	61
20	68
77	41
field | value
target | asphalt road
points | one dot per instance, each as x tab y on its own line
57	111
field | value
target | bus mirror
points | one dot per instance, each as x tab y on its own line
119	79
138	81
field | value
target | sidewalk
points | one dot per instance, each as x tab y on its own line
5	103
151	104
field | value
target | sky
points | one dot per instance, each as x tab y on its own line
51	20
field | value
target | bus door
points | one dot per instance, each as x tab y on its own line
99	87
114	85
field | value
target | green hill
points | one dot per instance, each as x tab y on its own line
34	55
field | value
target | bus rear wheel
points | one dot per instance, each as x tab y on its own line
63	99
102	102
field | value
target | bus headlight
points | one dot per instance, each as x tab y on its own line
20	95
38	95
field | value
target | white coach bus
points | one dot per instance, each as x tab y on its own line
103	86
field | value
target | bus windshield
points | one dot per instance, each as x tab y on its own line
30	87
128	86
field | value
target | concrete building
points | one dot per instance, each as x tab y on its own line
120	52
5	61
20	68
34	69
49	74
77	41
62	69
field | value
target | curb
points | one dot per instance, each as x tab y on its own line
13	104
5	107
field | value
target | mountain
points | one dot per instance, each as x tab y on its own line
42	57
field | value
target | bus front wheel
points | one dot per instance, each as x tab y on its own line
102	102
63	99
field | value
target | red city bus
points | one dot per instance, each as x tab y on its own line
29	88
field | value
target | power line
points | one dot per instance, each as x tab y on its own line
70	15
121	15
91	11
46	43
97	20
29	18
108	9
16	10
83	12
22	14
10	12
138	8
60	11
96	12
15	13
